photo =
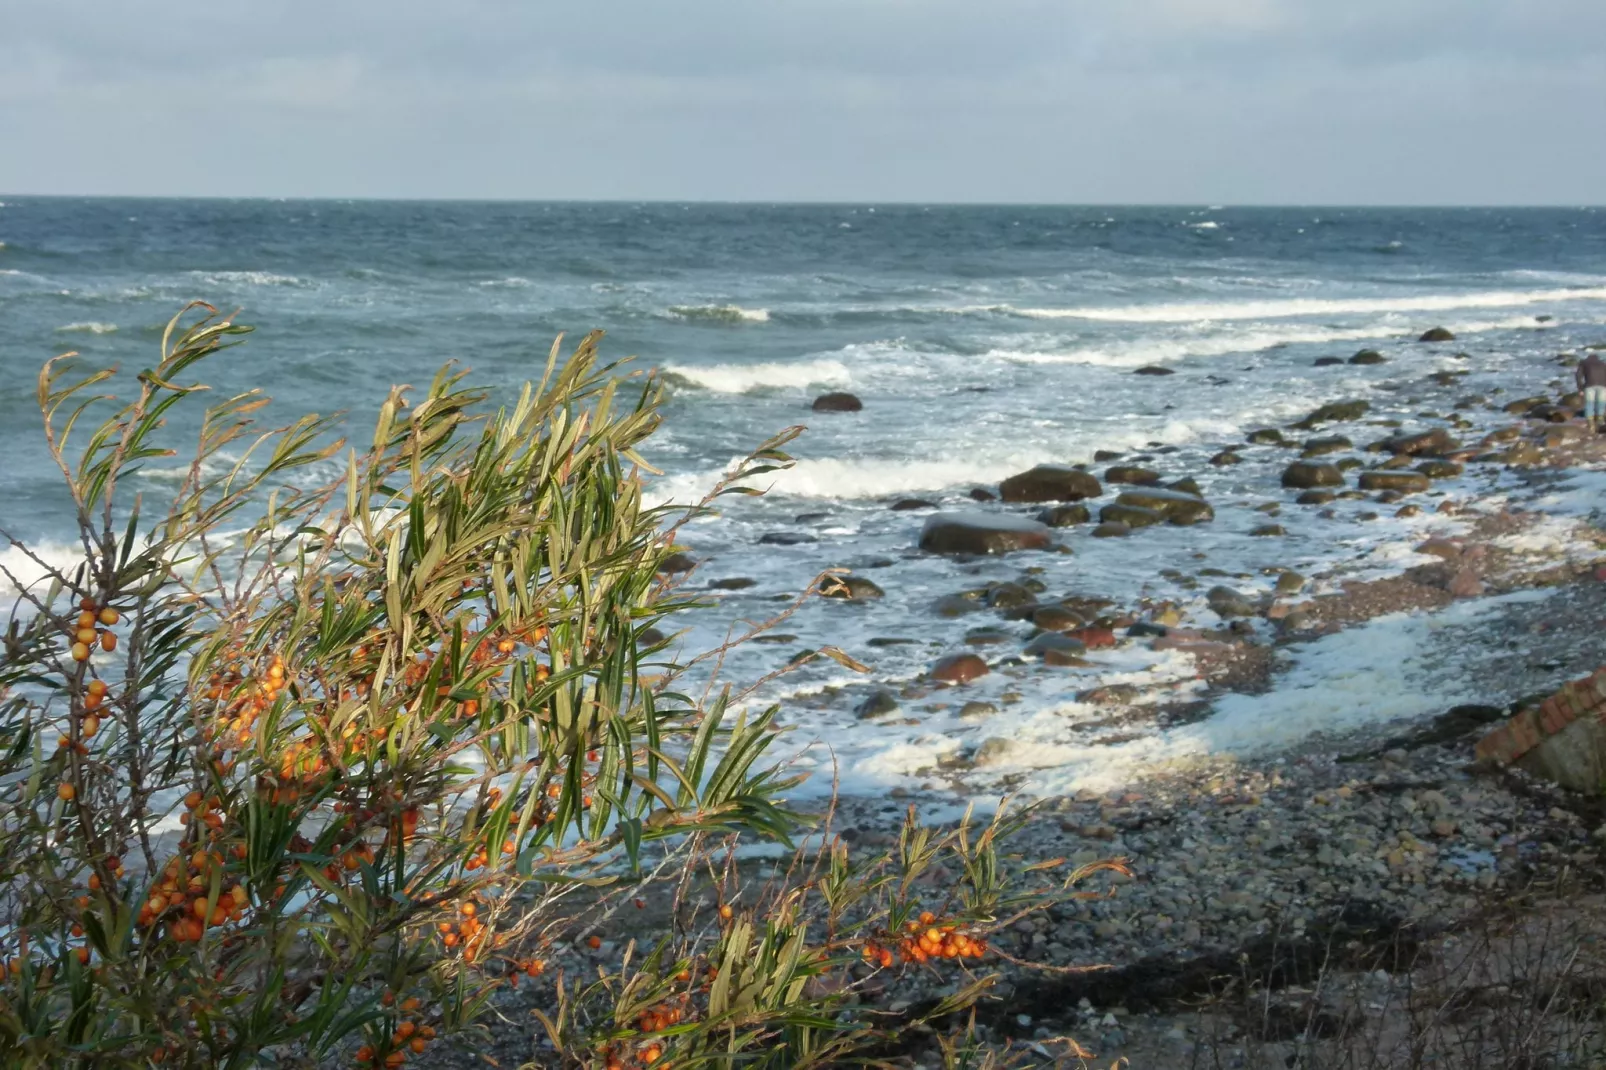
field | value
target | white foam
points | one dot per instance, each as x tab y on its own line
720	313
24	573
744	378
1208	224
1204	312
88	327
249	278
513	281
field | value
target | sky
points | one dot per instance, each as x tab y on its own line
1044	101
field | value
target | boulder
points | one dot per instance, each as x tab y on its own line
733	583
1404	482
1132	516
1266	436
1290	583
1368	356
1064	516
1422	443
1095	638
676	563
837	402
881	703
1302	475
982	494
786	538
851	588
1227	602
1321	447
955	605
1315	497
959	669
1187	485
1440	469
1178	507
909	505
1334	412
1051	483
1112	529
1437	334
988	636
1131	473
1100	456
1154	369
1269	529
1226	457
1009	595
981	533
1054	648
1052	618
1328	362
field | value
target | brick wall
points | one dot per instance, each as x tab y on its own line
1528	729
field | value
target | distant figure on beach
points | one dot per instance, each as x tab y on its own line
1592	381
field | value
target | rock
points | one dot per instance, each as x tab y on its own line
981	533
959	669
1095	638
1328	362
1055	648
977	711
1051	483
1435	442
1226	457
1131	516
734	583
1111	694
1100	456
1398	461
1368	356
955	605
1290	583
1056	619
1406	511
1064	516
1440	469
1404	482
1009	595
837	402
1466	583
787	538
1437	334
1112	529
982	494
1303	474
1266	436
880	641
1315	497
1444	549
851	588
881	703
1344	464
1319	447
1129	473
1269	529
1186	485
1178	507
1334	412
993	751
1154	369
987	636
1523	454
909	505
676	563
1227	602
650	637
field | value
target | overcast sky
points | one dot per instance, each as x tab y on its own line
1220	101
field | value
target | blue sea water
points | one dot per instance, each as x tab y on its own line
982	340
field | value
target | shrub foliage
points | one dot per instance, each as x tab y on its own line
316	764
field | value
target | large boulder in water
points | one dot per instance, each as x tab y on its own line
1131	473
959	669
1178	507
851	588
1436	442
1437	334
1051	483
982	533
1333	412
1133	516
837	402
1398	480
1368	356
1064	516
1302	475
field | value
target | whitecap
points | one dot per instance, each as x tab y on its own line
248	278
88	327
1205	312
743	378
720	313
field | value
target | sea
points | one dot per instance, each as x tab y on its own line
982	340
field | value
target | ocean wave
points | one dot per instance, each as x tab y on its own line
24	573
1247	310
248	278
1208	224
745	378
511	282
720	313
88	327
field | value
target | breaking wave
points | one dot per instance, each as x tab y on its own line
745	378
720	313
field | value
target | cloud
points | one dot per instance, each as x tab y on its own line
1189	100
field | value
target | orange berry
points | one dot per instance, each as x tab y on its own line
396	1058
593	942
108	642
469	909
365	1054
97	687
66	792
927	918
109	616
86	619
418	1044
406	1029
86	603
85	635
83	956
80	652
410	1004
90	726
725	911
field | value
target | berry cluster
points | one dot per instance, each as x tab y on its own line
409	1036
85	635
923	941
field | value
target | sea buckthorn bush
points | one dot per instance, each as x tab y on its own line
311	764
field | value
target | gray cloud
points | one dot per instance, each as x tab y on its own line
1402	101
